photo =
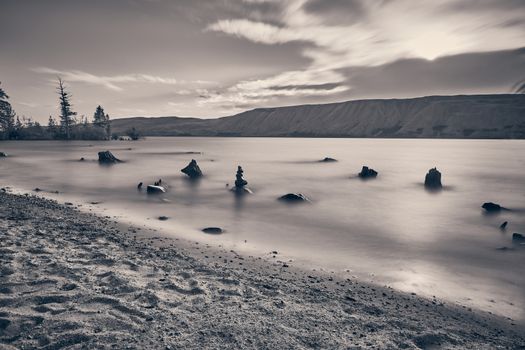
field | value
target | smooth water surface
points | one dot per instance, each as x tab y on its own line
389	230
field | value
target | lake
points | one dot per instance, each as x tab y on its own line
388	230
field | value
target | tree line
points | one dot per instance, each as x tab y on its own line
66	127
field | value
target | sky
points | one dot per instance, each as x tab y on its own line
212	58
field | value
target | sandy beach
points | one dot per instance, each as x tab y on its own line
69	279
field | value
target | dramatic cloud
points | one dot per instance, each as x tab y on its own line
257	52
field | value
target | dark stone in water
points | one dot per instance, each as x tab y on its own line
192	170
492	207
239	180
139	186
518	238
213	230
37	189
3	154
82	159
163	218
433	179
367	173
106	157
155	189
294	198
503	225
328	160
241	190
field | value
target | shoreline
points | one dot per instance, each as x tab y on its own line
70	277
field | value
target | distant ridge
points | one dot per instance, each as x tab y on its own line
461	116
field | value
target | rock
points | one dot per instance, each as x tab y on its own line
241	190
192	170
139	186
163	218
367	173
82	159
294	198
433	179
106	157
328	160
239	180
3	154
518	238
213	230
492	207
151	189
37	189
503	225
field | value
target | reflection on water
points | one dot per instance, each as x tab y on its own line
435	243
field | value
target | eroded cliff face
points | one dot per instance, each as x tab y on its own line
465	116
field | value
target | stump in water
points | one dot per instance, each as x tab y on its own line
367	173
433	179
192	170
106	157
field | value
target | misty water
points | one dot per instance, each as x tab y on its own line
389	230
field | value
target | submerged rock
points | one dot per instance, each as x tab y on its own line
192	170
82	159
328	160
3	154
163	218
106	157
503	225
367	173
151	189
213	230
492	207
518	238
241	190
294	198
433	179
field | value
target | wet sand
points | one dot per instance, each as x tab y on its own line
73	279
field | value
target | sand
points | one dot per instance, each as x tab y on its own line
69	279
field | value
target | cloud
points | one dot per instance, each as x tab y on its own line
110	82
483	72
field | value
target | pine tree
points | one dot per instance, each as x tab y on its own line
108	127
102	120
67	116
99	118
52	127
7	115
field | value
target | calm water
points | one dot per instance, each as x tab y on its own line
389	230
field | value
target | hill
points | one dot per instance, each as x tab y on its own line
463	116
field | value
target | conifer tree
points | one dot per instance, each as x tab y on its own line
67	116
7	115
